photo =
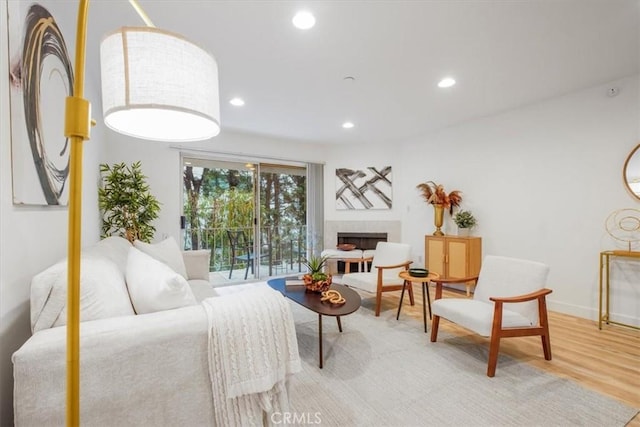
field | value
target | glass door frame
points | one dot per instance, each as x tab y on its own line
257	226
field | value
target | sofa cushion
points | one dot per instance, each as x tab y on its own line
476	315
202	289
167	252
197	264
154	286
114	248
103	293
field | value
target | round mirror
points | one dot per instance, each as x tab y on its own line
631	172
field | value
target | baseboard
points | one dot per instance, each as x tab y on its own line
589	313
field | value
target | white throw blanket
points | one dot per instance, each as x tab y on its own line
252	352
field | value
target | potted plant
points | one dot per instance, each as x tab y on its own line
316	280
126	204
465	221
435	195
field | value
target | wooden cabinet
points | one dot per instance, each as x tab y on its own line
453	256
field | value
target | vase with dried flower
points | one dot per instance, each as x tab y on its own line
435	195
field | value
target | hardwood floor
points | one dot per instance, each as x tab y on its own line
606	361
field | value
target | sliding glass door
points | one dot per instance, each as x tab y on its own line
219	212
283	216
252	216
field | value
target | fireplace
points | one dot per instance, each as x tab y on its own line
362	241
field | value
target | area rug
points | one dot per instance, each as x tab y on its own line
383	372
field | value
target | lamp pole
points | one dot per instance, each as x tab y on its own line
77	128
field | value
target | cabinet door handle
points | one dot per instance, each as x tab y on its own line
446	258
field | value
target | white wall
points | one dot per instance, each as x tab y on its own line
32	238
540	179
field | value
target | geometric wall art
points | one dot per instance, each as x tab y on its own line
364	188
41	77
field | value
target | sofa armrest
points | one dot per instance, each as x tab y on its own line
149	369
197	264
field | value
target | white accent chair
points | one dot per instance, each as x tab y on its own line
389	260
509	301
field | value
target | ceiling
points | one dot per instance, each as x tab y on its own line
502	53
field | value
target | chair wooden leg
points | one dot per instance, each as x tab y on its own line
546	341
546	346
494	348
378	303
434	328
544	322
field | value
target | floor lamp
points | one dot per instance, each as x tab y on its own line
177	102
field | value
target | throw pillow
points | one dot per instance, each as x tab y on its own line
166	251
154	286
197	263
103	293
114	248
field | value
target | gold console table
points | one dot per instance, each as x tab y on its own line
605	259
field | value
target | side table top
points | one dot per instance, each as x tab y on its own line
406	276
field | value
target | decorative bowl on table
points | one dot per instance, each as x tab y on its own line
346	246
317	286
419	272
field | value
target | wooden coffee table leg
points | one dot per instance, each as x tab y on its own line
320	337
339	323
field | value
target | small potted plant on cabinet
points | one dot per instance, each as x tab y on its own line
465	222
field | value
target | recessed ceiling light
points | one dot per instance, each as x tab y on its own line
446	82
348	125
304	20
237	102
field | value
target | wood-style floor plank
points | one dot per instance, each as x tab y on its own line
606	361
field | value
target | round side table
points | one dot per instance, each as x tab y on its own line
408	278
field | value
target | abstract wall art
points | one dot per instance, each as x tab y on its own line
41	77
363	188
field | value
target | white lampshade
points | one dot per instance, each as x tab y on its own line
156	85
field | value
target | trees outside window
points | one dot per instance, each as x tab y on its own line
220	196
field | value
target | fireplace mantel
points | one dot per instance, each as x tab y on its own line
332	228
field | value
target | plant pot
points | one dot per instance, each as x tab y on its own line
463	231
316	286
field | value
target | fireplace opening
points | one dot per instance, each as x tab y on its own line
362	241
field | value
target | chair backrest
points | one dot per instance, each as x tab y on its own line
388	253
504	277
240	244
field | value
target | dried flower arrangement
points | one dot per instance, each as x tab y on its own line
434	194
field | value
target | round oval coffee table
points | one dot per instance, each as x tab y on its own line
311	301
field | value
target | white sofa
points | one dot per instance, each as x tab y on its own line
147	369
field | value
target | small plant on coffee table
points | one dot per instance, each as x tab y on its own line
316	280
